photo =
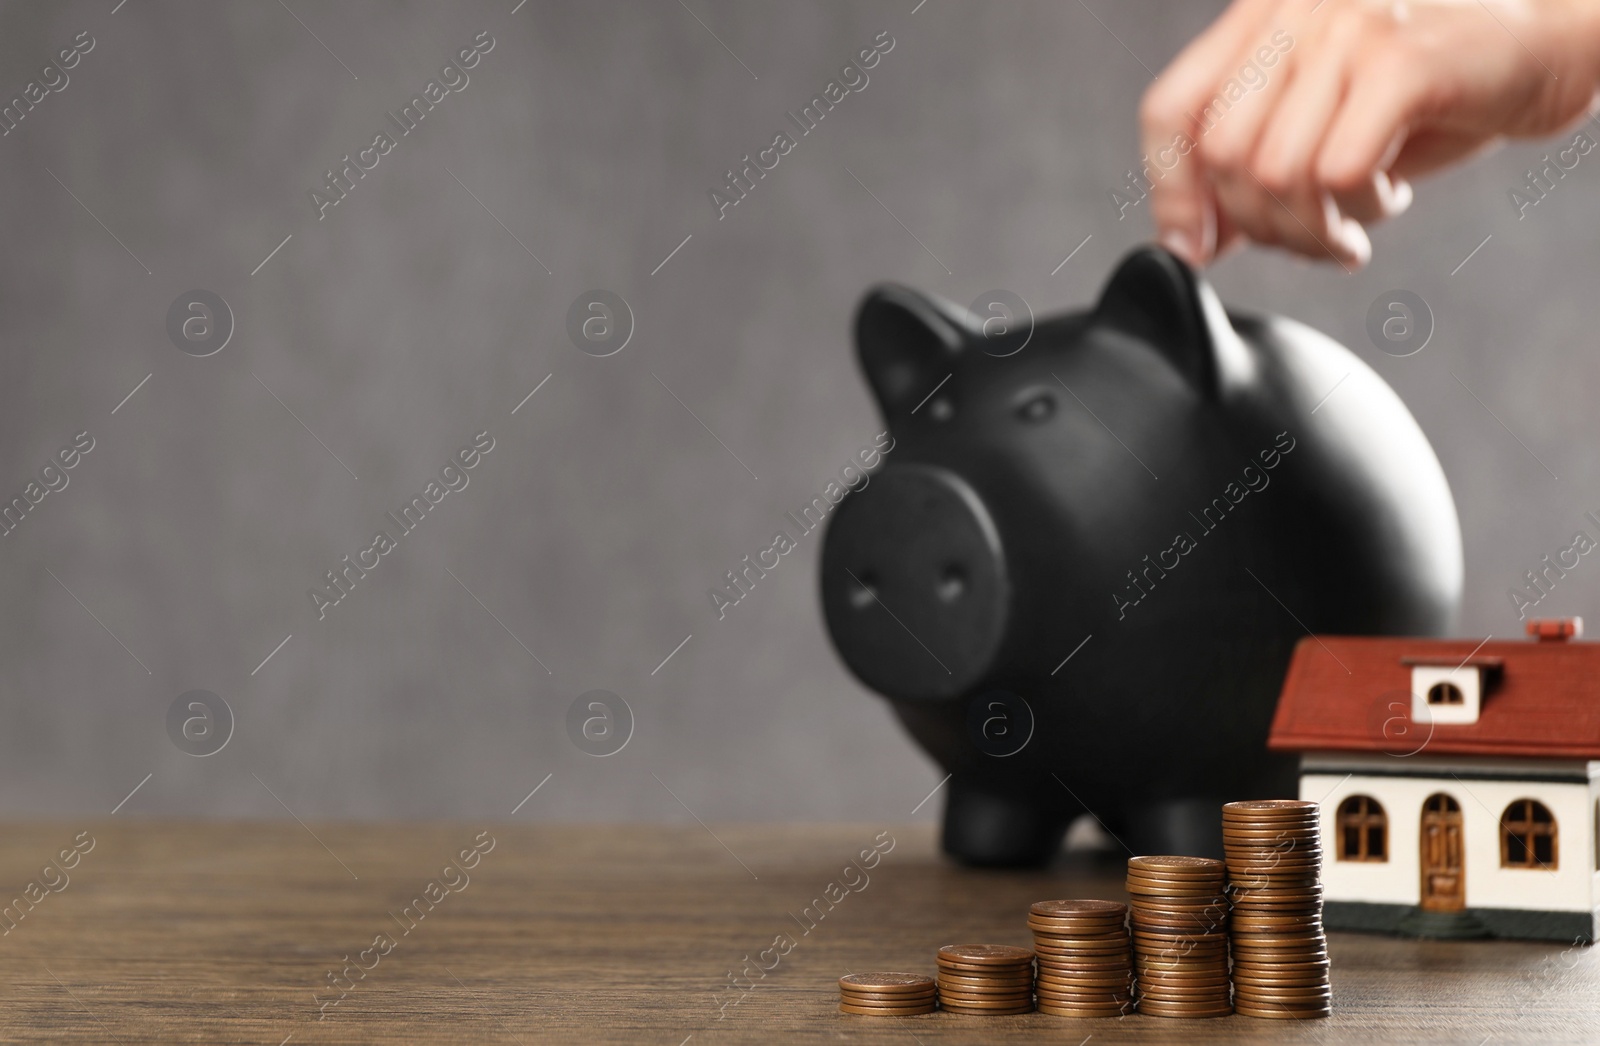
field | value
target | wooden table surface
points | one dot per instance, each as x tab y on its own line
228	933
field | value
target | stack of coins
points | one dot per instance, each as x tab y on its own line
985	979
886	994
1280	950
1085	961
1180	936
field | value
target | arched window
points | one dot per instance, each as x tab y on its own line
1444	694
1363	830
1528	836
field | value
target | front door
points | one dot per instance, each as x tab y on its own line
1443	889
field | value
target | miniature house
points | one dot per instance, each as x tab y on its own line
1459	781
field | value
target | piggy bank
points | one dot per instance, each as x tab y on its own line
1079	576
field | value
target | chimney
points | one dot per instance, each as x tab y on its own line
1555	630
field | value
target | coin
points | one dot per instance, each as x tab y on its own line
1075	964
1104	941
1098	999
1288	968
1118	984
1180	992
1261	809
1101	991
1282	1013
1080	1011
1079	909
1276	855
1251	922
1176	864
1182	989
1288	992
1246	830
1250	896
886	982
985	954
997	976
888	1002
1279	960
886	1011
1279	940
986	974
1067	928
1082	981
976	989
1173	961
985	987
997	1010
1263	969
1177	974
984	999
1267	873
1167	1009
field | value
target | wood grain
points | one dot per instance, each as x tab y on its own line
225	933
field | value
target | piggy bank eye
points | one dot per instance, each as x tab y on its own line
1036	407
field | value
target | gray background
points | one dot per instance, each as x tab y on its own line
408	320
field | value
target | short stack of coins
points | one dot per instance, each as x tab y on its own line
886	994
985	979
1280	950
1085	958
1179	912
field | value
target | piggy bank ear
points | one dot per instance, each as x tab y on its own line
908	344
1155	297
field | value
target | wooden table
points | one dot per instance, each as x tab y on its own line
228	933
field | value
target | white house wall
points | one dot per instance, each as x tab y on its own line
1398	880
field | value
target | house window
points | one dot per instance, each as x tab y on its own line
1445	694
1363	830
1528	836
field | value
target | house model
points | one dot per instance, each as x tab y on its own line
1459	781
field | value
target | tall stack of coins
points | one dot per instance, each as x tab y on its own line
1085	962
985	979
1180	936
886	994
1280	950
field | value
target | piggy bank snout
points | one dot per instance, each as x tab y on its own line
914	584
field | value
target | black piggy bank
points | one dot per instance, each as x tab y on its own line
1080	575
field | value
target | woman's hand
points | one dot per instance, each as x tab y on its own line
1299	122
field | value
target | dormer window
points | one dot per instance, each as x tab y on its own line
1446	693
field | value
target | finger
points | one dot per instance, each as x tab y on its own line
1231	126
1285	157
1248	208
1308	222
1383	197
1430	150
1229	239
1387	96
1181	202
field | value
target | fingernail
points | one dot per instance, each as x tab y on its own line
1180	243
1355	240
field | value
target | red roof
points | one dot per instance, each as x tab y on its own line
1353	693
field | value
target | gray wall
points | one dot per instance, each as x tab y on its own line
408	320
